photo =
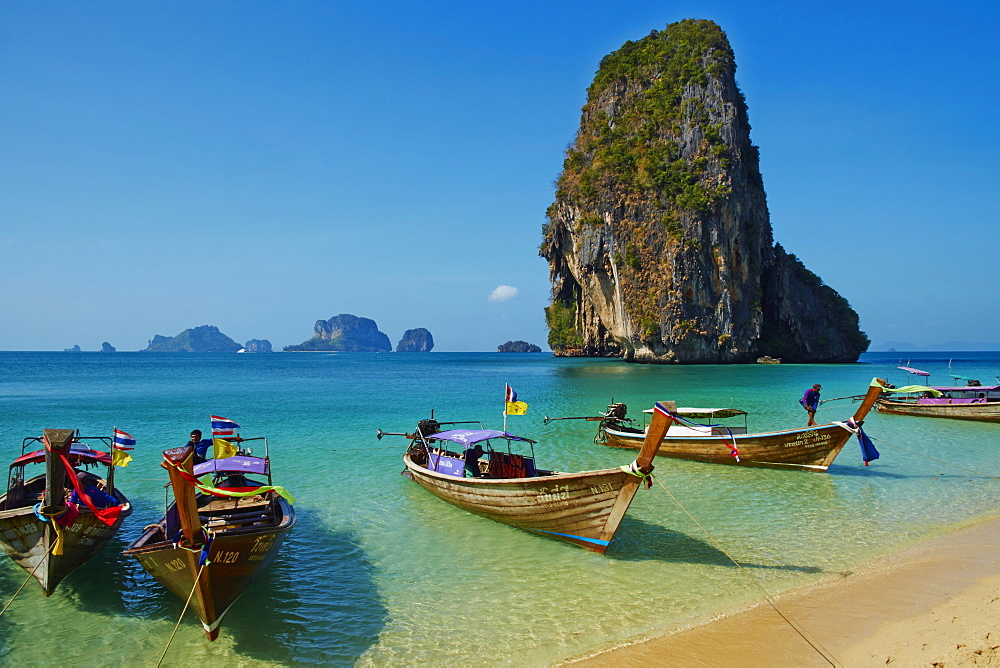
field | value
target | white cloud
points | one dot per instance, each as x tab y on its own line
503	292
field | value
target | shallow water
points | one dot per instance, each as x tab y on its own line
378	571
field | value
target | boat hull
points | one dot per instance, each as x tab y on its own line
235	560
987	412
28	541
809	448
580	508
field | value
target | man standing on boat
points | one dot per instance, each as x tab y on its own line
810	401
200	445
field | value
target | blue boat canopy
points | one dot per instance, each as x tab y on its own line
471	436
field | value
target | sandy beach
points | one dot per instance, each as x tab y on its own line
936	603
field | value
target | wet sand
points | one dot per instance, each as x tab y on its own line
934	604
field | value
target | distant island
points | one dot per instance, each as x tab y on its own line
107	348
74	349
518	347
957	346
257	346
415	341
203	339
345	333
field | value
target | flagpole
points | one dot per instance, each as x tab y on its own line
111	469
505	408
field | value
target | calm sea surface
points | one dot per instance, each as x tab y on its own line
379	572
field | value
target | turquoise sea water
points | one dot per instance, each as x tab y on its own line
379	572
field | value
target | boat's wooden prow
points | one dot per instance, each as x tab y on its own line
874	392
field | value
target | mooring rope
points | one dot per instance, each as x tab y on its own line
186	603
815	644
939	461
30	575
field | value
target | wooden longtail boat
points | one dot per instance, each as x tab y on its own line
49	525
964	402
809	448
212	544
581	508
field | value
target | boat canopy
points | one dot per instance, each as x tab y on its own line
917	372
703	413
235	464
471	436
969	388
963	377
77	450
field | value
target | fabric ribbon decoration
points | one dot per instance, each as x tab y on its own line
236	492
633	469
868	451
106	515
733	450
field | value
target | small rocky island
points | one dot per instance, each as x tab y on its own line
257	346
203	339
345	333
74	349
107	348
415	341
659	241
518	347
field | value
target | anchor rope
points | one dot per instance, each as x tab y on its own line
30	575
805	635
920	454
186	603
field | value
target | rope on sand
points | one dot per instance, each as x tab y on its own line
186	603
805	635
939	461
32	573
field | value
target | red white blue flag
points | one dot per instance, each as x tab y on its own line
223	427
658	407
123	440
511	394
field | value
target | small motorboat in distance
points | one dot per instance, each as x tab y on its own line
809	448
215	541
52	523
466	468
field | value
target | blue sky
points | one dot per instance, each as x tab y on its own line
261	165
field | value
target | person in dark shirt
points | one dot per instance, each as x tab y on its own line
200	445
810	401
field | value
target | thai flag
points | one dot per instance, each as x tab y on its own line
662	411
123	440
222	427
511	394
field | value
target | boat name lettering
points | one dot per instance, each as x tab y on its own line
22	530
174	565
227	558
602	488
809	439
263	544
555	493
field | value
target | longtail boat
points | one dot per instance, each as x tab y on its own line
54	522
972	401
463	467
808	448
214	540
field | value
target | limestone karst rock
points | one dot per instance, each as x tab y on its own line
417	340
203	339
659	240
347	333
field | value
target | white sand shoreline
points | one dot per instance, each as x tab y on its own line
934	603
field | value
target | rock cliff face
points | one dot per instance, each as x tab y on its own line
659	240
415	341
347	333
203	339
